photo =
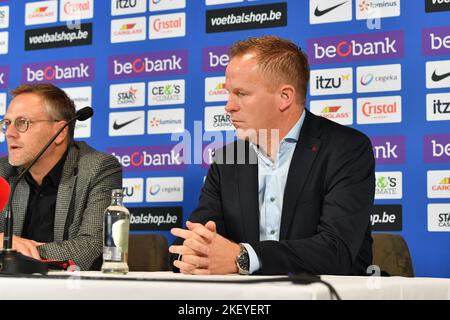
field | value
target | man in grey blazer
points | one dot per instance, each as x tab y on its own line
58	207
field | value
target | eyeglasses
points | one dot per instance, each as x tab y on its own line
21	124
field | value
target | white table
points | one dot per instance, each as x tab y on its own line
165	286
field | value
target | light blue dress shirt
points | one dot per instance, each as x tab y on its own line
272	176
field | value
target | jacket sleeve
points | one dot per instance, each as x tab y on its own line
86	246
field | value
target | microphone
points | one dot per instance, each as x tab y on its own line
10	260
5	191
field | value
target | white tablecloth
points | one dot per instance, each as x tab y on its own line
161	286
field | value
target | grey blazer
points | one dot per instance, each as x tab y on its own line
83	194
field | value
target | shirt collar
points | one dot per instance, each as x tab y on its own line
294	133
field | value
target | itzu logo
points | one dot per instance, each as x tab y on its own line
388	185
148	65
119	7
133	189
331	81
374	46
438	106
149	158
65	71
166	92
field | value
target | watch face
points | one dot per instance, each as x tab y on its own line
242	261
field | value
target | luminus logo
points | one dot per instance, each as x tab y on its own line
155	122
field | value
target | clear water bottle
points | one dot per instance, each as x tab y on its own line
116	229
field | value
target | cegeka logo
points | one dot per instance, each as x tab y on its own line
379	78
165	189
160	5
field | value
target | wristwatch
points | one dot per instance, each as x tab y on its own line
243	261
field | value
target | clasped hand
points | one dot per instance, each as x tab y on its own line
204	251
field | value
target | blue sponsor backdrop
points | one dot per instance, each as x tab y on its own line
409	47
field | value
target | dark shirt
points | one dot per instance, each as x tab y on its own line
40	216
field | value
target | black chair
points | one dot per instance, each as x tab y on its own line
148	252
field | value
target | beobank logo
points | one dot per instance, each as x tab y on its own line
358	47
150	64
65	71
215	59
151	158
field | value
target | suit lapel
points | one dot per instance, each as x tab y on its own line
19	204
305	152
248	196
65	193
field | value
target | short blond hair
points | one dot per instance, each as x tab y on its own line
282	60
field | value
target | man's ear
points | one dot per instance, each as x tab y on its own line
63	135
287	95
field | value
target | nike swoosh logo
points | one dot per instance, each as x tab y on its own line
438	77
319	13
117	126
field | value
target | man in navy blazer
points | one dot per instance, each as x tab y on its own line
294	193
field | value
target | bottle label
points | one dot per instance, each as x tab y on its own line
115	236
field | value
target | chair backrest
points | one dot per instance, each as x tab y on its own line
391	254
148	252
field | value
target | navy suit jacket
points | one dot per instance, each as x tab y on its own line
328	197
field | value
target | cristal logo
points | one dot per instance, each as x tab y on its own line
61	71
164	25
76	7
382	45
366	79
369	109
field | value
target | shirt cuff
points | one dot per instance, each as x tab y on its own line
254	263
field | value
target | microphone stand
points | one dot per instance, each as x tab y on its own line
11	261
